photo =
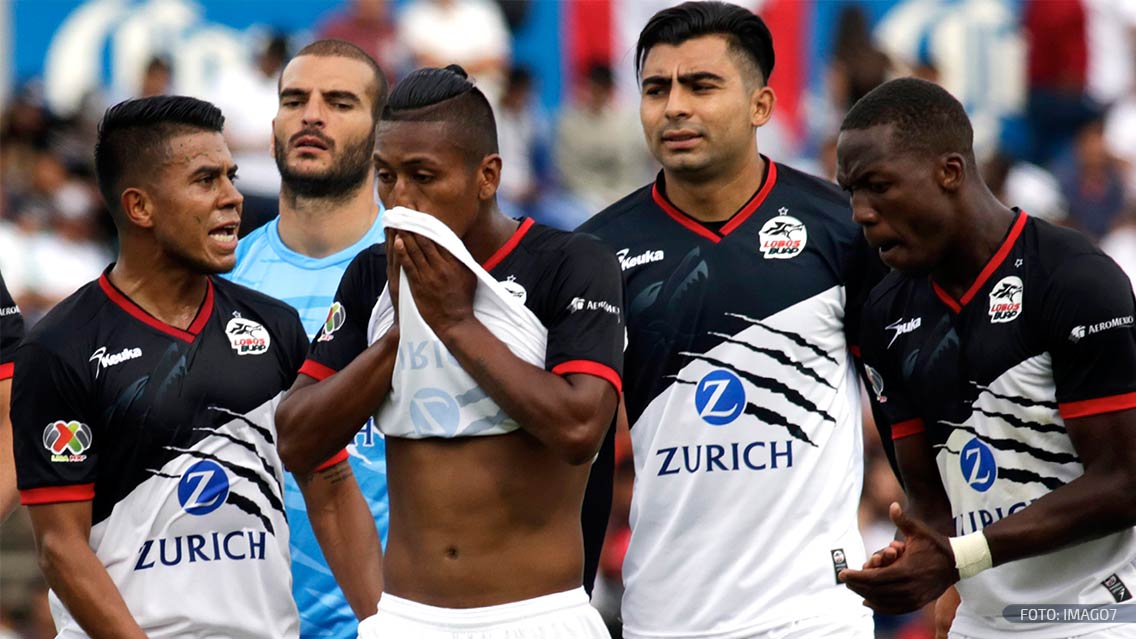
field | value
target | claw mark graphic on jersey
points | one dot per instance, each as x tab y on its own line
779	356
764	415
794	337
794	396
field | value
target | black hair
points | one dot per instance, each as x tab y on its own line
134	137
446	95
925	117
745	32
332	48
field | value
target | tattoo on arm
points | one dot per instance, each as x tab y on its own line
336	474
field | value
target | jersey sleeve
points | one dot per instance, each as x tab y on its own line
11	331
55	433
343	335
586	328
863	270
1087	314
893	409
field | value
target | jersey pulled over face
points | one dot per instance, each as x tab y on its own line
170	432
1045	334
744	408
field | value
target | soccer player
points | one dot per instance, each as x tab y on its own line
143	403
488	524
331	95
742	279
11	331
1003	351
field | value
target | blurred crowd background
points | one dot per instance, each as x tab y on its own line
1049	84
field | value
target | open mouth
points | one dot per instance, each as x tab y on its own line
225	233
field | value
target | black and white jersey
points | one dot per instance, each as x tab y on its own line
170	433
568	280
1043	335
11	331
744	408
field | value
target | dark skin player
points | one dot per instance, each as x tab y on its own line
932	214
475	521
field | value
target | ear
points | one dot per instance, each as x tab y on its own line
951	173
762	100
488	177
137	207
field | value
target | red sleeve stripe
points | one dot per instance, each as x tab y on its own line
315	370
1089	407
907	428
588	367
57	494
337	458
7	369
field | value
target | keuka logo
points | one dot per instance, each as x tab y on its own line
67	441
102	360
646	257
782	237
902	326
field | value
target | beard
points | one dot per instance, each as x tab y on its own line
345	174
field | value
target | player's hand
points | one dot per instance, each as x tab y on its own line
392	272
885	556
918	576
945	608
443	286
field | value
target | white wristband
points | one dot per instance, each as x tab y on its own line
972	554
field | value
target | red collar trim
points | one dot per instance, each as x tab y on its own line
738	218
508	247
140	314
995	262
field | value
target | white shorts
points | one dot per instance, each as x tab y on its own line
564	615
858	627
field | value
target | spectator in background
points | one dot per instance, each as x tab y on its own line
246	94
600	151
1092	182
472	33
367	25
519	130
157	79
1026	185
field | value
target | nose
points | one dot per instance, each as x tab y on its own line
678	103
401	194
862	211
230	197
315	112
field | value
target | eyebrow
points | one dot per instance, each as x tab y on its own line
211	169
328	95
414	160
685	79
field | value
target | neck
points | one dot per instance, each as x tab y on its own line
718	197
986	222
322	226
162	287
489	233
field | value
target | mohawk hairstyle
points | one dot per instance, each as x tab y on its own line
746	33
134	135
446	95
925	117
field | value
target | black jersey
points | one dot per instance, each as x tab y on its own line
570	281
740	389
11	331
170	432
1044	334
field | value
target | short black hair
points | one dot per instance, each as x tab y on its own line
745	32
134	136
926	118
446	95
332	48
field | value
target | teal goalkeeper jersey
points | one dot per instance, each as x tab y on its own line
308	284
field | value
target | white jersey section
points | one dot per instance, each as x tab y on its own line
199	550
1011	452
739	523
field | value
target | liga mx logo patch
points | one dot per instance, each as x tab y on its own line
336	316
66	441
247	337
1006	299
782	237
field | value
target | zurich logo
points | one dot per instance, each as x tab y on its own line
203	488
978	467
719	398
433	410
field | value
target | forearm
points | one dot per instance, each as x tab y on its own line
9	496
346	533
317	420
1087	508
546	405
83	585
926	498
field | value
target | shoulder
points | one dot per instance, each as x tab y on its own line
621	214
573	248
70	323
814	194
265	306
1069	262
892	290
